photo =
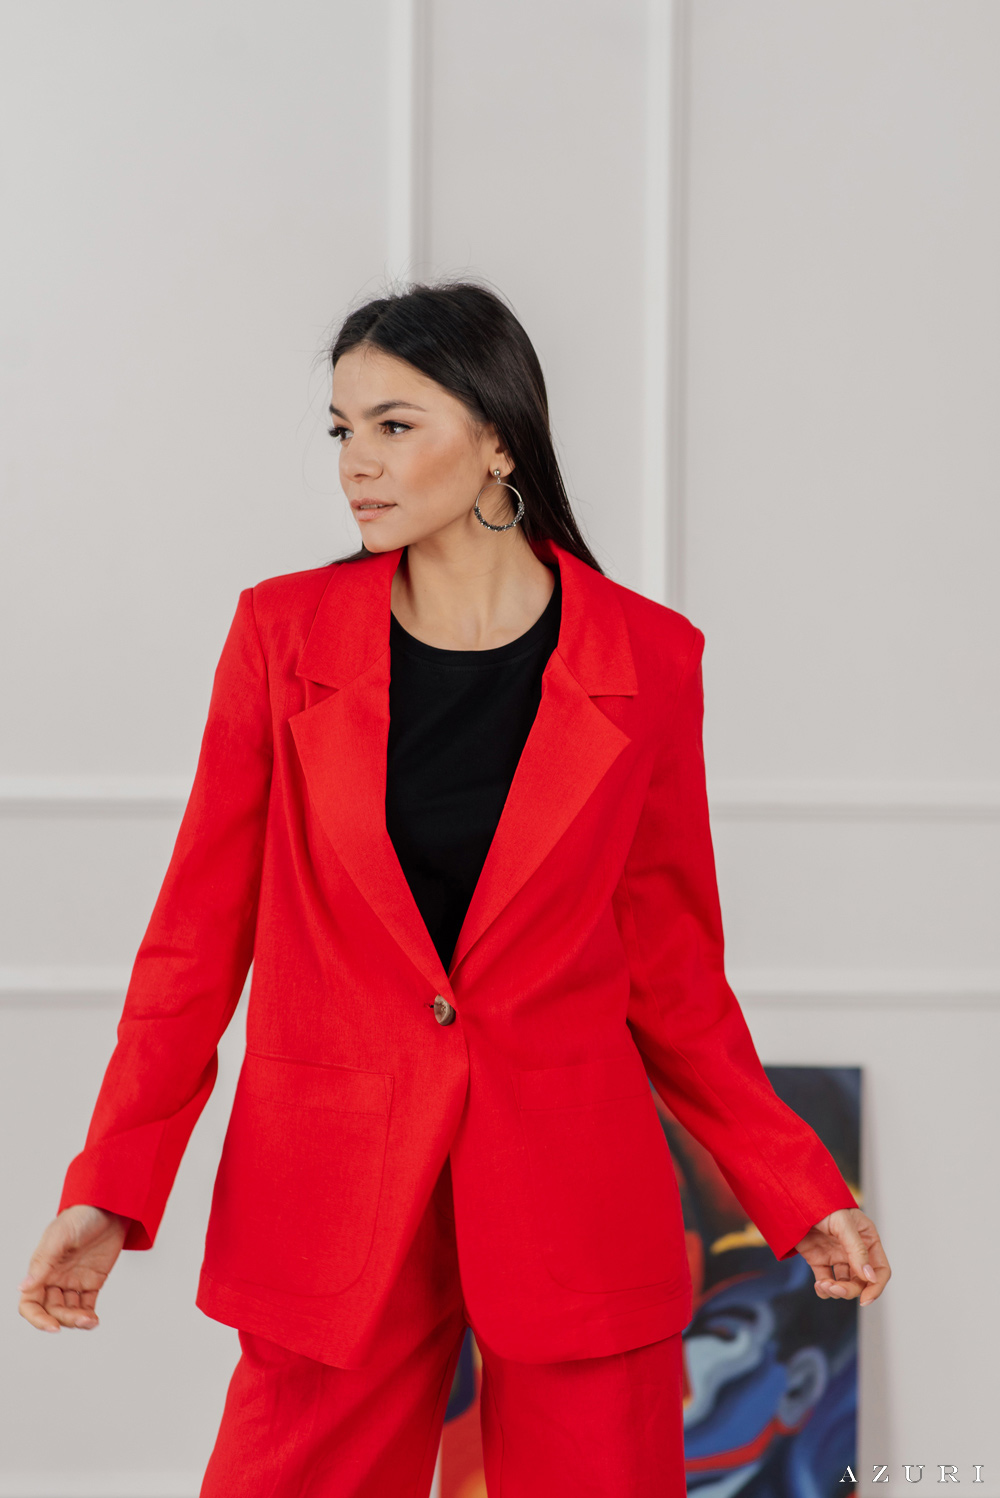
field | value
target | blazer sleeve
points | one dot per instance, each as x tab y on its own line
684	1017
193	961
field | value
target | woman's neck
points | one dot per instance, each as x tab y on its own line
473	598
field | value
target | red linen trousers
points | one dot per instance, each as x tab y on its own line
294	1427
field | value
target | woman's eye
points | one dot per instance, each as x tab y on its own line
392	427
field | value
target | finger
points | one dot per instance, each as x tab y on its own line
822	1280
842	1228
37	1315
834	1282
825	1278
876	1257
878	1272
882	1276
70	1316
44	1308
77	1321
844	1279
851	1290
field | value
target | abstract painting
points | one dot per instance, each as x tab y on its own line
770	1393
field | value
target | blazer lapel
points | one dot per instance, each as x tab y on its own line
571	746
342	743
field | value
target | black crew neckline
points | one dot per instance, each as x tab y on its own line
471	660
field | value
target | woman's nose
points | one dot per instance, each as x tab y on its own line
359	464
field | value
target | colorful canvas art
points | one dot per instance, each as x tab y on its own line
770	1399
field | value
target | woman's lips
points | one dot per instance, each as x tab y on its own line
370	509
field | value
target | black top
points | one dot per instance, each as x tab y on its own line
458	720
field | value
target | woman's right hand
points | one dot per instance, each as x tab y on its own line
73	1259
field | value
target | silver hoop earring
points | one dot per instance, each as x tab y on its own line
499	485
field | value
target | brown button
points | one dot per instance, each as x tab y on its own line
444	1012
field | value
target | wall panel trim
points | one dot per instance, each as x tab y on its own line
93	795
878	988
407	64
85	986
664	237
79	985
100	1485
734	800
847	800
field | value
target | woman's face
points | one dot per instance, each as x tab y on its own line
412	457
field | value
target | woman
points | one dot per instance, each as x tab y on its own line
444	1114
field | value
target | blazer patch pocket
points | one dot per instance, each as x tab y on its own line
300	1177
605	1197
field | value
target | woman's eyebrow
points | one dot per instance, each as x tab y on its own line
381	409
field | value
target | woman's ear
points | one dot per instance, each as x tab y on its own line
496	454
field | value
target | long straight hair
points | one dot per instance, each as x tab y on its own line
467	339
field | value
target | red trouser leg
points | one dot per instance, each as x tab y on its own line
608	1427
295	1428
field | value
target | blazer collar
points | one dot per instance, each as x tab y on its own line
350	629
342	744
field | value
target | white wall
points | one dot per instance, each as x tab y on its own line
803	198
841	529
194	192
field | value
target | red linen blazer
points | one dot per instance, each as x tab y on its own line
591	959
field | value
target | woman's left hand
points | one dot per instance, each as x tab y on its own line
846	1255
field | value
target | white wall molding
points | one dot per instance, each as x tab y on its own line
731	800
85	986
100	1485
656	331
44	985
661	545
855	800
407	72
876	988
93	795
